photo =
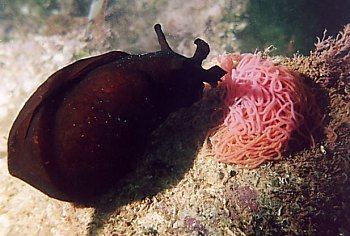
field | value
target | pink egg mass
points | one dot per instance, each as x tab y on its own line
266	104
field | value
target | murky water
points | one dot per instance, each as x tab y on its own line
229	25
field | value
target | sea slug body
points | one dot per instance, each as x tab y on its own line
87	124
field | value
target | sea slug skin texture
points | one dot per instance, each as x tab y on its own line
87	125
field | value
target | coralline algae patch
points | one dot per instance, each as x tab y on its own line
266	104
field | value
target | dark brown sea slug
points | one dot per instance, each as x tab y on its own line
88	123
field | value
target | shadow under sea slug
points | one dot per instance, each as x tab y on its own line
86	126
266	104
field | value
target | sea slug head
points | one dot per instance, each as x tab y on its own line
182	77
